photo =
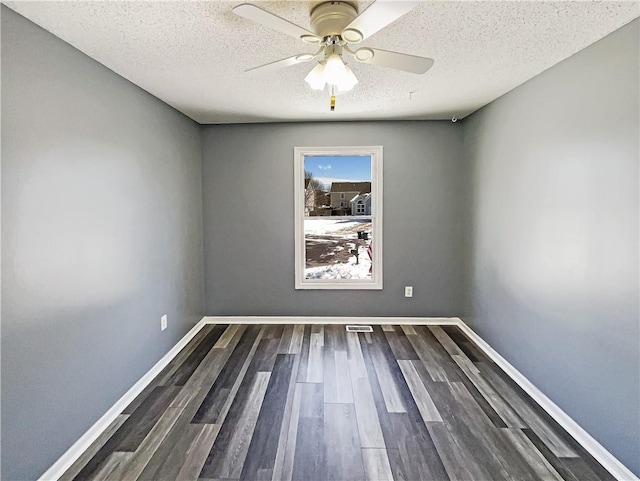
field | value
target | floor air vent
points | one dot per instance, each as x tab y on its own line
359	329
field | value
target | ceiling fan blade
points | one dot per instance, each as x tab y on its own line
397	60
270	20
377	16
285	62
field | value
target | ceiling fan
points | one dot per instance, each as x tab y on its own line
336	27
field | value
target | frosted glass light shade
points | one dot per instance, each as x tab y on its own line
315	78
332	71
335	70
348	80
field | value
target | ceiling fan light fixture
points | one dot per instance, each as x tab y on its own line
316	78
334	70
310	39
348	81
351	35
364	54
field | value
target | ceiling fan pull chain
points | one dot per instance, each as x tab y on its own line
333	98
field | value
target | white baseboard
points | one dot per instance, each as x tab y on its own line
604	457
330	320
73	453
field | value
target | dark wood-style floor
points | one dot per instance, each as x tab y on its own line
312	402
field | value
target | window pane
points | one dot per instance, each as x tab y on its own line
337	248
338	217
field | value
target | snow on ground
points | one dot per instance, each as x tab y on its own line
321	230
350	270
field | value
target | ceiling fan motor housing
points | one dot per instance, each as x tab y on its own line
330	18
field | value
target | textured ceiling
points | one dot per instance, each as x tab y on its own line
193	55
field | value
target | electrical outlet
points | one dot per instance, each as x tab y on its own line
408	291
163	322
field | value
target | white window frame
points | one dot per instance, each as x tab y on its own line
376	217
360	207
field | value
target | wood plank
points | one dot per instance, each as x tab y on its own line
409	330
400	345
291	412
112	466
459	420
567	470
265	356
136	463
285	340
171	454
234	416
273	331
295	346
366	415
536	461
546	433
198	451
500	406
439	354
494	440
315	370
397	466
227	460
468	347
419	456
309	460
163	378
357	368
376	465
133	431
91	451
189	366
392	398
262	450
446	342
457	459
386	426
427	408
292	432
226	336
304	355
207	372
424	352
337	381
228	381
342	443
412	455
288	456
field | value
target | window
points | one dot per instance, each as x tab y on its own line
338	217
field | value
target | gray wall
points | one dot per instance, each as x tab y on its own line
555	235
248	219
101	235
